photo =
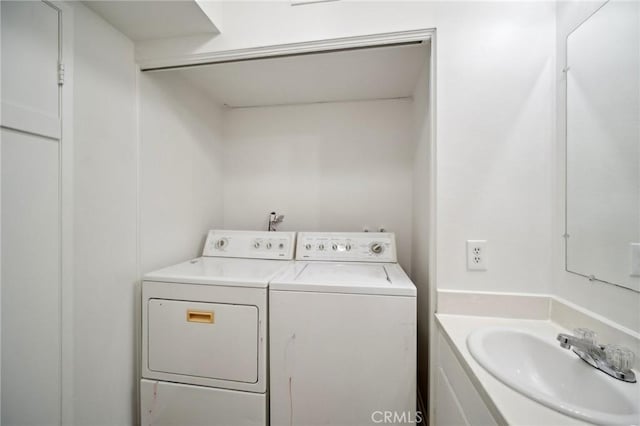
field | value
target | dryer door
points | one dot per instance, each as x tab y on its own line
210	340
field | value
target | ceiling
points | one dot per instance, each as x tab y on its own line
363	74
147	19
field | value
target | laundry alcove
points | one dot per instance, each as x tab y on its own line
338	140
332	140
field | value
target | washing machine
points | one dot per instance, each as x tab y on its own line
342	330
204	332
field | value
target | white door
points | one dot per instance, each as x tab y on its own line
31	248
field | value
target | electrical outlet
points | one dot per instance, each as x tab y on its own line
476	255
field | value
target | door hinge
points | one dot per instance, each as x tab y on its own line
60	74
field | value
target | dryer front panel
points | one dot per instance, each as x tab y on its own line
206	340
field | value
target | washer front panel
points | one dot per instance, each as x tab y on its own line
338	358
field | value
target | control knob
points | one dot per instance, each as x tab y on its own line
307	246
320	247
376	248
221	243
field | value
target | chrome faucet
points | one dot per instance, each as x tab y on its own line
274	220
614	360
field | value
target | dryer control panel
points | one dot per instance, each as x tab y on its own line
250	244
347	246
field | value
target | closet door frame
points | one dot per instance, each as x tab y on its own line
66	25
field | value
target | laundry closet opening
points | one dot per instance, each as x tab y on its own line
335	141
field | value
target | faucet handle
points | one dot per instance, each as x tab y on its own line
585	334
619	357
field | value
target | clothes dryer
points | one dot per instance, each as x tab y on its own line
204	332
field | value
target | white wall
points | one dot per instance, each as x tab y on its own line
181	164
181	169
105	223
327	166
421	197
618	304
495	137
180	179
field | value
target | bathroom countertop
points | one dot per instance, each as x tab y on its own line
507	405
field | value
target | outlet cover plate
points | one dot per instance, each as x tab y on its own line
477	255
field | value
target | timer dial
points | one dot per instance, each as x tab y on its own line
376	248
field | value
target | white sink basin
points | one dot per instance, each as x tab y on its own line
541	370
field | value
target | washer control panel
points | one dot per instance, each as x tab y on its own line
347	246
250	244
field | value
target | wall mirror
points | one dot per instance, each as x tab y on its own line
603	146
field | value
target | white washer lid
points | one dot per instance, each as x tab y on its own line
345	277
221	271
